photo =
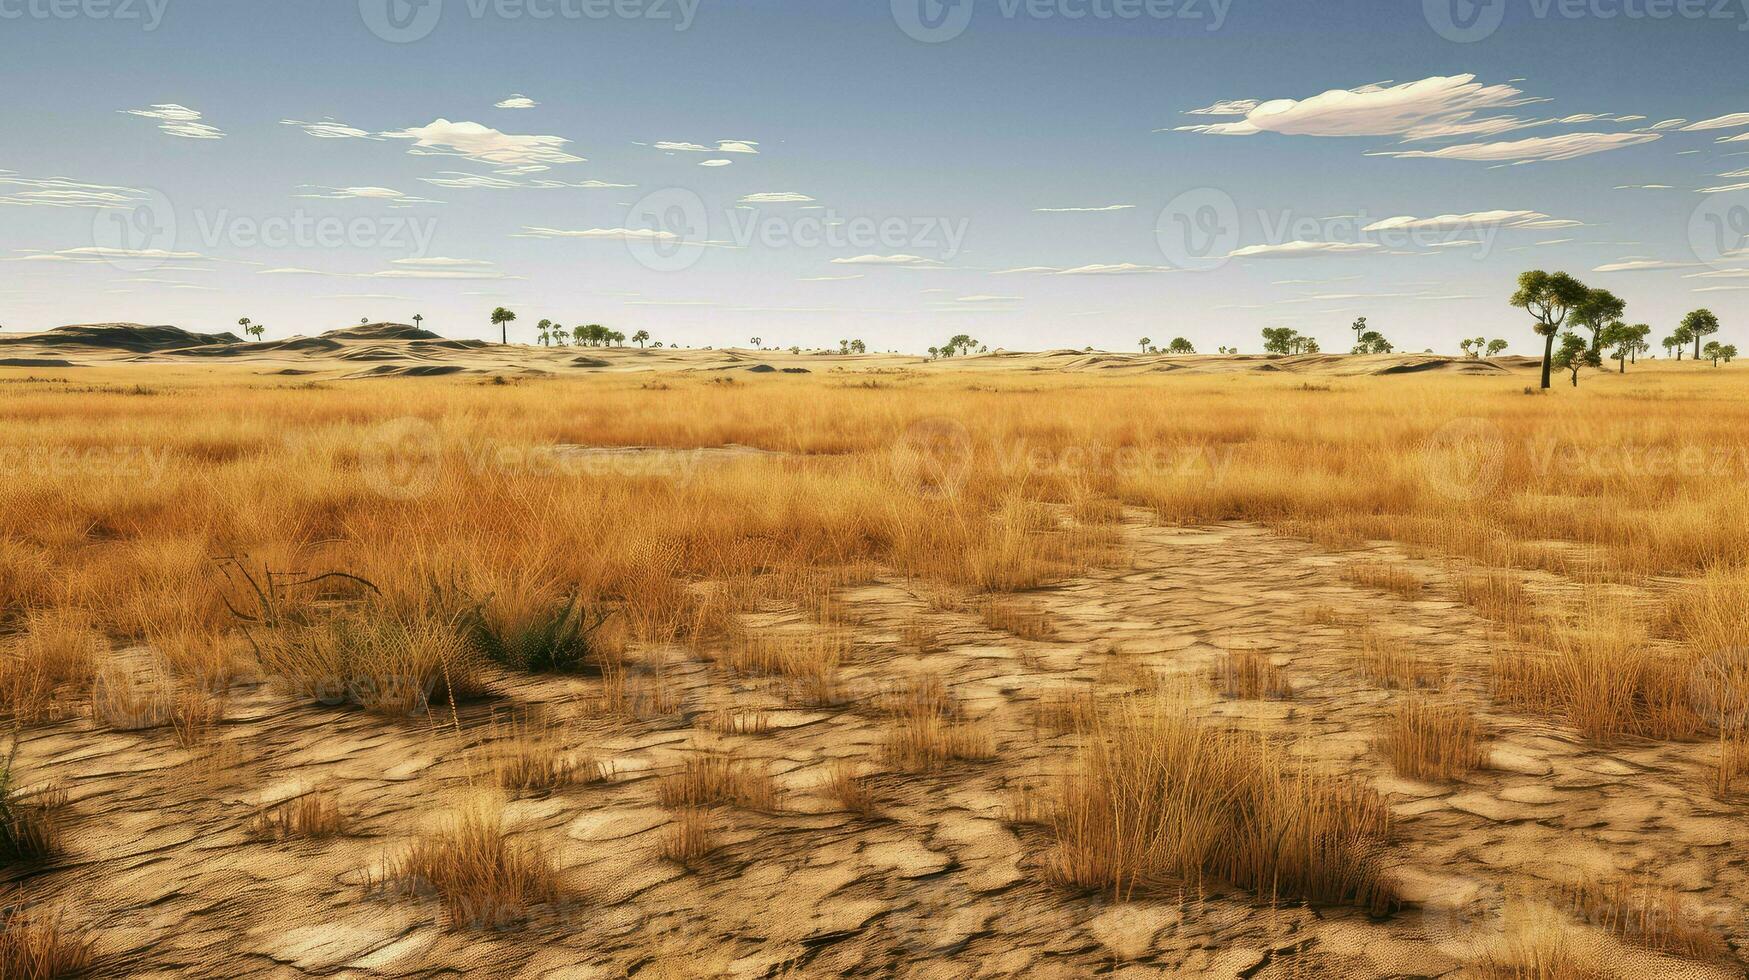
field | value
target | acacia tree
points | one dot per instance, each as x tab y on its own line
1574	354
641	338
1548	297
501	318
1622	340
1180	345
1700	323
1682	336
1728	352
1713	351
1144	342
1280	340
1597	311
858	347
1359	328
1496	346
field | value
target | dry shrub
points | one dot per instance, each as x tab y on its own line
1026	804
850	789
385	658
689	839
1025	622
1499	596
29	824
1424	740
711	779
38	945
311	815
1387	577
193	714
1645	914
125	701
53	650
1324	614
1158	799
482	878
1388	663
1065	710
1251	675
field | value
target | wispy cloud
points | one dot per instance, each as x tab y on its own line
484	144
178	120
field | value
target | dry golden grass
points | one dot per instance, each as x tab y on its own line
1024	621
1389	663
396	660
928	729
1732	766
41	945
1066	710
1645	914
311	815
919	635
193	715
1499	596
851	789
54	649
481	877
1159	801
528	755
1386	576
710	779
1251	675
689	840
808	660
1425	740
728	720
126	702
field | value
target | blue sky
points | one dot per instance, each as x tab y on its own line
808	172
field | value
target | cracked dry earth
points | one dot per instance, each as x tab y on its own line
939	884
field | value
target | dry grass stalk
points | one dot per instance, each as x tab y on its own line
1733	765
1026	804
1646	914
39	945
919	635
1066	710
1158	801
385	657
1389	664
928	728
710	779
1499	596
126	702
850	789
481	877
193	715
53	650
1387	577
809	660
1251	675
1023	621
727	720
1431	741
311	815
689	840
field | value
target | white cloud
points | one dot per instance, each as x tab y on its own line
1644	187
1641	265
441	262
722	146
601	234
393	198
1373	110
99	253
1567	147
432	268
1739	138
986	298
1725	188
1303	249
777	197
329	129
1475	219
484	144
715	163
884	260
1732	121
832	278
466	181
178	120
59	192
517	102
1230	107
1668	124
1112	269
1108	207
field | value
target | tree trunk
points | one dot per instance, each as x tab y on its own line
1624	364
1548	357
1697	347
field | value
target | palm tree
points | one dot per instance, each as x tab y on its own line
546	331
1144	342
640	338
757	341
244	323
501	319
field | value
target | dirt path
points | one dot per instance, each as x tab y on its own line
161	862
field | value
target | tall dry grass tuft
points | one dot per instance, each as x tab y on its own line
311	815
809	660
30	828
689	840
1251	675
384	657
1424	740
1158	801
1387	577
928	728
1025	622
1387	662
53	651
41	945
481	877
1646	914
851	789
710	779
1499	596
